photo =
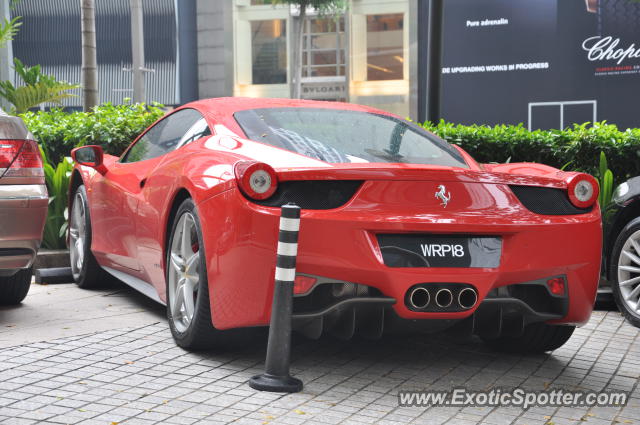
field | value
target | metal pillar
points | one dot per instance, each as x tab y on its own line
187	50
137	51
89	55
434	60
6	53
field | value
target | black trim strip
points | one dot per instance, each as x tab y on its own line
13	252
382	301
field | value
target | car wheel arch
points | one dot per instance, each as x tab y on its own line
179	197
75	182
628	216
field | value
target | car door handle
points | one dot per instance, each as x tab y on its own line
142	183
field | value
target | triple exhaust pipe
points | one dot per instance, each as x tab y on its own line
442	299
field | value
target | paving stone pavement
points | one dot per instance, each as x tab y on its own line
139	376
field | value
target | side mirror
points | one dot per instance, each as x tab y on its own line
90	156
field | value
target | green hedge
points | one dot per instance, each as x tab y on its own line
576	148
112	127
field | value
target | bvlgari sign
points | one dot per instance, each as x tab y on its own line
544	63
324	88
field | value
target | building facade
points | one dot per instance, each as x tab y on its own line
51	37
368	55
547	64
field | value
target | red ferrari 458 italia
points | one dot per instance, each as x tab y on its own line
399	229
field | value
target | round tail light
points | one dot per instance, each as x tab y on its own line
583	190
256	180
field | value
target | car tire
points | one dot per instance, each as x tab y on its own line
627	297
536	338
85	269
13	289
188	303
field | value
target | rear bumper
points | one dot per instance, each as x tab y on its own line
23	210
357	310
341	244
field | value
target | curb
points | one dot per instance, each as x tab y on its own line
51	258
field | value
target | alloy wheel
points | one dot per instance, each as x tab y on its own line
77	235
184	273
629	272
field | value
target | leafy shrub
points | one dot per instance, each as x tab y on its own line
57	179
605	181
110	126
8	30
576	148
39	88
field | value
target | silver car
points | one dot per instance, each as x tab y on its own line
23	207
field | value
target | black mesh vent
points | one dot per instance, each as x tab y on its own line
313	194
546	200
538	298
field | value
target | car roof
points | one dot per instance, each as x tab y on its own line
221	110
231	105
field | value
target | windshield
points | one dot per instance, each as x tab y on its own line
340	136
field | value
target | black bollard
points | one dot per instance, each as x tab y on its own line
54	275
276	377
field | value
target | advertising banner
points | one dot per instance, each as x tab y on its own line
543	63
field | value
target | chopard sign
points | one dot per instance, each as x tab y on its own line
606	48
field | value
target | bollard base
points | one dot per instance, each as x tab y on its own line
275	384
54	275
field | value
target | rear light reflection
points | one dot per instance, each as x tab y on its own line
556	286
303	284
8	151
21	157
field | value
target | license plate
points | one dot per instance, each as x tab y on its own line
440	250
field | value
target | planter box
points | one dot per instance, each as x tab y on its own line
51	258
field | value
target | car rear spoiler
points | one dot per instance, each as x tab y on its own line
515	174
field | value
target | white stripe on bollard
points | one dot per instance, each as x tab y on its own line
288	249
285	275
290	224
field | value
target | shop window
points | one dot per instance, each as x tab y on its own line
385	47
269	51
323	52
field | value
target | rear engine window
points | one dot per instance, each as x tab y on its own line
341	136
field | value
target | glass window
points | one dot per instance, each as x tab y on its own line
165	136
197	131
326	71
385	47
269	51
323	25
323	51
341	136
